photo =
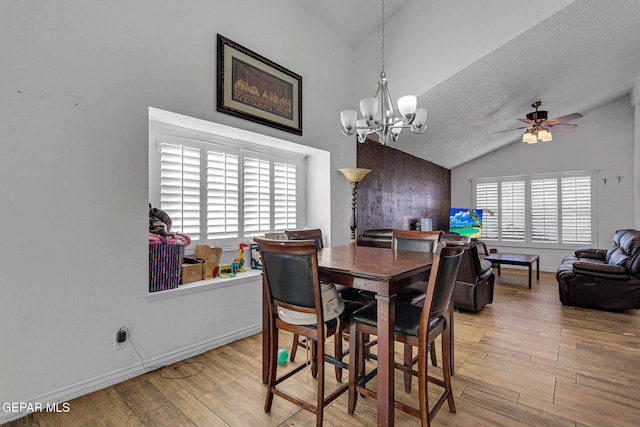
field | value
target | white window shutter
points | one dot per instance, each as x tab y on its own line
576	210
512	210
284	191
180	187
257	196
487	200
222	195
544	210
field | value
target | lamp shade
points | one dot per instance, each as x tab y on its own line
407	105
348	119
529	138
544	135
420	122
368	107
354	174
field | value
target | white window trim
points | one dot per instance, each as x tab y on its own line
316	162
592	174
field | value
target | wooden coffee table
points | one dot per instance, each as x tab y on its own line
515	259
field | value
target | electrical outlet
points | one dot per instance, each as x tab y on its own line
120	339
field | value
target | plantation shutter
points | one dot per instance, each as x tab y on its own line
512	210
544	210
284	183
487	200
257	197
180	187
222	195
576	210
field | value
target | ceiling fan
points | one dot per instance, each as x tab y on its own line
538	126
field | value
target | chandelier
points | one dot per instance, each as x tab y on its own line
379	115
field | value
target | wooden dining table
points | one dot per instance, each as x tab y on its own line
384	272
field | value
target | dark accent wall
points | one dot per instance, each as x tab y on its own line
400	187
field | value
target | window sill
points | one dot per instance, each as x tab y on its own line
205	285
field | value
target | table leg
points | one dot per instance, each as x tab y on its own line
538	268
265	335
530	268
386	320
451	338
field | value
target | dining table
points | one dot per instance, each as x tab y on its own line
384	272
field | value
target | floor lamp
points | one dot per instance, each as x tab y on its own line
354	176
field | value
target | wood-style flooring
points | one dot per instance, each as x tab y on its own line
524	360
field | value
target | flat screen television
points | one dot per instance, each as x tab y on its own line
466	222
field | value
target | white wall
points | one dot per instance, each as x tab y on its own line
603	140
77	79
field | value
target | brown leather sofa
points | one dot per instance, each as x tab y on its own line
378	238
475	281
603	278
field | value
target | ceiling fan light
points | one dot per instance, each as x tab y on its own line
529	138
544	135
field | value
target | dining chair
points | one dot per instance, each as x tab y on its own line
418	241
290	279
345	292
417	326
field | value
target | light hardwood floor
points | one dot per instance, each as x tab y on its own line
523	360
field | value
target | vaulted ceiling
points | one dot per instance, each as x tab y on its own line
577	59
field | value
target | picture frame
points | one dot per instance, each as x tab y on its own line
255	88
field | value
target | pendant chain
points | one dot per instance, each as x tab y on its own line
382	35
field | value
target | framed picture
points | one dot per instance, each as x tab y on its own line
254	88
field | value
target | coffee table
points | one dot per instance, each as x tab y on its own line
516	259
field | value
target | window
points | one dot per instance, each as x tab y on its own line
216	191
550	209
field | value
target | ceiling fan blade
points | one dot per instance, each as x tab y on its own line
509	130
563	126
564	118
527	121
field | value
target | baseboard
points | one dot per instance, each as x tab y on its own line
81	388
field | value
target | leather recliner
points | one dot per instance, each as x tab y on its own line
603	278
475	281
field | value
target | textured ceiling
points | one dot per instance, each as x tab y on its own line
577	60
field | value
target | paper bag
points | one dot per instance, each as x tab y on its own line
211	257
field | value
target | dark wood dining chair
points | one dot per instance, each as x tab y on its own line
417	326
346	293
290	279
418	241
